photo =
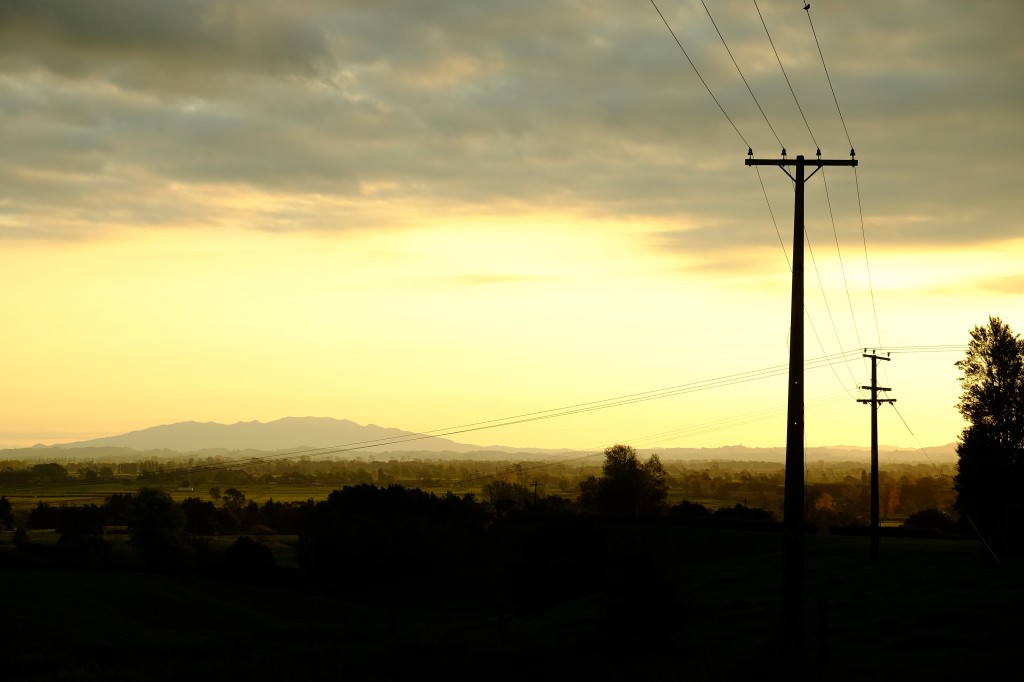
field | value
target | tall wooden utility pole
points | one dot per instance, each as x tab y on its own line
793	504
875	401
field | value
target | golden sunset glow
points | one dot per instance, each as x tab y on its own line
421	221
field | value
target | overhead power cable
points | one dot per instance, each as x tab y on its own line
740	72
828	308
707	384
839	254
793	92
807	9
588	453
935	348
842	119
768	203
919	446
734	421
738	420
867	262
807	313
696	71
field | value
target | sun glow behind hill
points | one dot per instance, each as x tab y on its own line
432	216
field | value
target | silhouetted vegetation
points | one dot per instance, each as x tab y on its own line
989	481
6	517
663	563
931	519
627	486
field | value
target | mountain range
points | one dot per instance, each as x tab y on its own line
342	435
281	434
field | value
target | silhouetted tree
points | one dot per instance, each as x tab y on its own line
117	508
155	523
741	512
75	523
505	496
48	473
363	535
43	515
627	486
234	498
200	516
929	519
250	560
690	510
20	537
990	471
6	517
282	517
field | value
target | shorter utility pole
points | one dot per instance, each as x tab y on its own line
875	401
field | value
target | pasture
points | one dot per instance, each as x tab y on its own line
677	602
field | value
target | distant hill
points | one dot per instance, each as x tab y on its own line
282	434
342	435
838	453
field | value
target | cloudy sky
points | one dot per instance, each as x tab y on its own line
428	214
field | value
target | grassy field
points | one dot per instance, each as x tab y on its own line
24	498
706	609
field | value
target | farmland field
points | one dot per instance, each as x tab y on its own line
939	608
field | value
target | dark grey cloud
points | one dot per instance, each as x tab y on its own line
107	105
140	43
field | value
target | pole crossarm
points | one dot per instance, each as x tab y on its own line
800	163
804	162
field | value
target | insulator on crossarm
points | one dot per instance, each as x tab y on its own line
852	153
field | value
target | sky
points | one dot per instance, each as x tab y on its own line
430	214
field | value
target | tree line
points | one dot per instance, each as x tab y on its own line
838	492
986	492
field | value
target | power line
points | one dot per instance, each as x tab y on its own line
587	453
790	266
919	446
696	71
821	345
761	109
782	243
835	98
835	233
779	59
738	420
824	298
867	262
807	9
644	396
933	348
846	130
749	89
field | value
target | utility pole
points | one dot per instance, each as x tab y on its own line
875	401
793	504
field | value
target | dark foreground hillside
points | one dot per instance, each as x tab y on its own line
651	601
